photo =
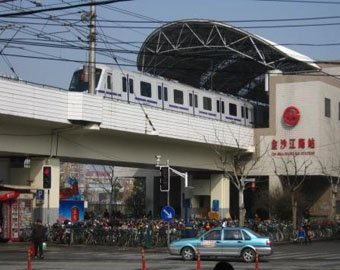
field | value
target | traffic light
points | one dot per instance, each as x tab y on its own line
164	179
47	175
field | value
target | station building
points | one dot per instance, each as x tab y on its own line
296	99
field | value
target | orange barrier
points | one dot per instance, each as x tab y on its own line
143	260
29	254
256	261
198	260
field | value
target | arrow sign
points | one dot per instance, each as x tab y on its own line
167	213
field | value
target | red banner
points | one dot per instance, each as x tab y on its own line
8	195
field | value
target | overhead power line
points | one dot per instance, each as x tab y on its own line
27	12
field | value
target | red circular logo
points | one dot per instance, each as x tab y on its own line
291	116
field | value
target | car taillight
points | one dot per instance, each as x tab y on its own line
268	243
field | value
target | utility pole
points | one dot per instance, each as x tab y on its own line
92	49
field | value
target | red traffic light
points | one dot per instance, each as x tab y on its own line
47	176
47	170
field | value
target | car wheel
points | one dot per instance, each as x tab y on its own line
248	255
188	254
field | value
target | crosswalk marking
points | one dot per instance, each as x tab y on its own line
304	255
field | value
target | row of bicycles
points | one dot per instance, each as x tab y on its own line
154	233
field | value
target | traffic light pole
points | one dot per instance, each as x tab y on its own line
168	200
48	207
183	175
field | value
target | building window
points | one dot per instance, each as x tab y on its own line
207	103
232	109
145	89
178	96
339	109
327	107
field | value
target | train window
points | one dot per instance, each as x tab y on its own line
124	84
207	103
178	96
232	109
145	89
131	85
165	90
79	82
109	81
159	92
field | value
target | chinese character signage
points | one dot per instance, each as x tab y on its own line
293	146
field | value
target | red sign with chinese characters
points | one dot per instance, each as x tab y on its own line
301	146
291	116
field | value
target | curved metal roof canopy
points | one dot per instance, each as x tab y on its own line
214	55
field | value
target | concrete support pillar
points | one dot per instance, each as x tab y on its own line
220	190
275	184
48	209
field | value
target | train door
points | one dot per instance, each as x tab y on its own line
108	87
127	88
162	95
193	102
220	108
246	115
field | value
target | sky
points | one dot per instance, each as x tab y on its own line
46	47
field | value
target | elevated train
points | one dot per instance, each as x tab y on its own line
137	87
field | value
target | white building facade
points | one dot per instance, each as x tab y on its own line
303	137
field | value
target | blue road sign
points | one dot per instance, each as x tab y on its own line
40	194
167	213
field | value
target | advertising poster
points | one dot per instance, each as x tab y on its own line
71	210
71	205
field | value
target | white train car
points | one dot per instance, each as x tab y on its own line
137	87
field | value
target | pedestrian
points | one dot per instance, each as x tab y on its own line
38	235
223	265
301	235
257	221
307	228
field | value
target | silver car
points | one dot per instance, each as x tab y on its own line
218	242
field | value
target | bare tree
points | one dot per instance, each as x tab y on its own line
292	175
332	173
237	164
109	183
